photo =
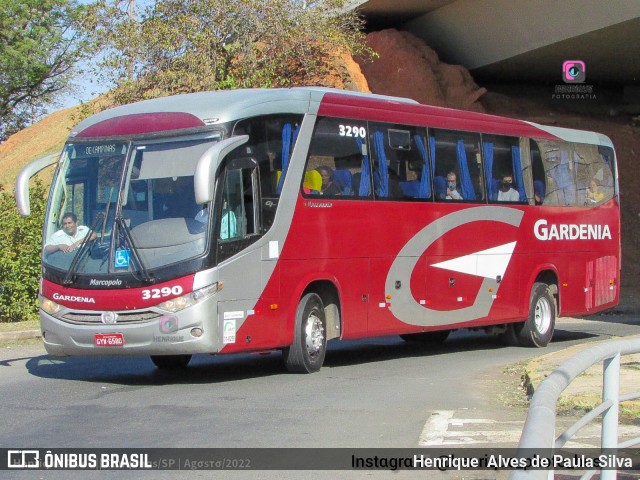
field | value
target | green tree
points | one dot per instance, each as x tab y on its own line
20	253
39	46
179	46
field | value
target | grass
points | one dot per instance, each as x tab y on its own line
19	326
43	137
20	343
585	392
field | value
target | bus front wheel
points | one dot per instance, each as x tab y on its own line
306	353
537	330
169	362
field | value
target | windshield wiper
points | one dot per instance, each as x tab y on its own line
68	278
128	241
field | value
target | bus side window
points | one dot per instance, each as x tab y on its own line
575	174
338	161
593	173
400	163
231	218
502	158
559	168
237	219
457	160
271	142
602	171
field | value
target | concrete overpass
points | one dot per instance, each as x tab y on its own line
523	40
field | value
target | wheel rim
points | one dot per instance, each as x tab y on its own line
543	315
314	335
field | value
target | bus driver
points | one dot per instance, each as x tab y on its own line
69	237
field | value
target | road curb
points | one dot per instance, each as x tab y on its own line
585	391
20	335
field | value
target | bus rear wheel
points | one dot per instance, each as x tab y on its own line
537	330
170	362
306	353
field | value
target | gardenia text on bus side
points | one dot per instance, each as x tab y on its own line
565	231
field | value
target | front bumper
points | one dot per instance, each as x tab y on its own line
192	330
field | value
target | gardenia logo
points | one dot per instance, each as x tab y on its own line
565	231
105	283
73	298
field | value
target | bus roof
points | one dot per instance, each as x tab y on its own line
208	108
216	107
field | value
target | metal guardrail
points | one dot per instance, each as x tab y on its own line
540	425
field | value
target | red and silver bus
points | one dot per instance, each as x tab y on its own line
279	219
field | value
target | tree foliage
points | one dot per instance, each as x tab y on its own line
20	254
168	47
39	47
179	46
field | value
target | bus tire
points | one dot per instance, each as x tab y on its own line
306	353
432	338
170	362
537	330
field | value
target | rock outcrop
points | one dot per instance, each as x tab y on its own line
407	67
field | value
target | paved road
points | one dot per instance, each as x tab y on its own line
372	393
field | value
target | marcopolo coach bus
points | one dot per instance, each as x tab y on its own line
278	219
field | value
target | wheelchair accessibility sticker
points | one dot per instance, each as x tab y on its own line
122	259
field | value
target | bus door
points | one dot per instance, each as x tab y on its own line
236	226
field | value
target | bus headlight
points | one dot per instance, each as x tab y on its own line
49	306
190	299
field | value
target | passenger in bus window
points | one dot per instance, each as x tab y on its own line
228	228
594	195
507	193
452	187
328	186
69	237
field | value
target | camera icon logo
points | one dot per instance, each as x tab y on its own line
573	71
168	324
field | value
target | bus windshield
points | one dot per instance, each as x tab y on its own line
125	207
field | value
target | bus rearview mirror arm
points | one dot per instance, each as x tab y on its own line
22	181
208	164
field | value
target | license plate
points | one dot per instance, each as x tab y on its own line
108	340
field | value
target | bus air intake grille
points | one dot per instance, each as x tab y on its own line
95	318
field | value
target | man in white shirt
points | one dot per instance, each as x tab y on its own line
507	193
69	237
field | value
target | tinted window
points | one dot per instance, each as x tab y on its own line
458	166
400	162
338	162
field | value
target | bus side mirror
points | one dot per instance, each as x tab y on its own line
21	189
208	164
